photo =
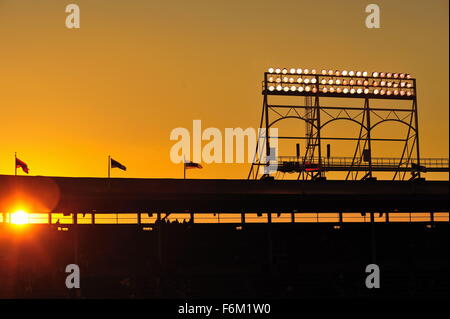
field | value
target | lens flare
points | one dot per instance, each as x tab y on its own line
19	217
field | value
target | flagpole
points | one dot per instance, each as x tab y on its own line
15	163
109	166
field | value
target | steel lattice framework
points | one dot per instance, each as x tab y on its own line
343	86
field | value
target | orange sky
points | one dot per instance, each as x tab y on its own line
137	69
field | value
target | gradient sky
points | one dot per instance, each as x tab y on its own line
137	69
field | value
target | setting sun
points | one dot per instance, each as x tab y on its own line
19	218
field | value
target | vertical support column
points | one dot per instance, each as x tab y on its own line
373	238
93	218
266	110
192	218
139	218
293	218
242	218
341	218
319	143
269	218
416	124
49	217
368	137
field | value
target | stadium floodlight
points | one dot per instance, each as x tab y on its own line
352	83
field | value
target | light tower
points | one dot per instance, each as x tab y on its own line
314	87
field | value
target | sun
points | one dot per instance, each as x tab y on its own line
19	217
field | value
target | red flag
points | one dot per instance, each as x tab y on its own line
22	165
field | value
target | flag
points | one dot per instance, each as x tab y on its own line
190	164
116	164
22	165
